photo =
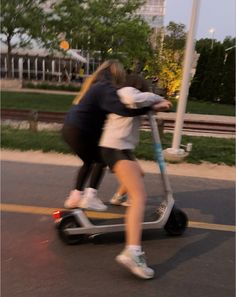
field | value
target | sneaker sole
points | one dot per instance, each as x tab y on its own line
71	206
119	204
91	208
127	263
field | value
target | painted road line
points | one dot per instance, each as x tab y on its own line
48	211
210	226
104	215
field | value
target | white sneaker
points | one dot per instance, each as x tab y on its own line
91	201
118	199
136	264
74	199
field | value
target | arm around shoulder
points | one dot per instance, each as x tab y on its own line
137	99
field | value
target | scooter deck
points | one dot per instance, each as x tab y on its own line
116	215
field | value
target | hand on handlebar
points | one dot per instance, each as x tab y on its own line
162	106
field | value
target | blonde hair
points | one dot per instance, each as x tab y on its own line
110	69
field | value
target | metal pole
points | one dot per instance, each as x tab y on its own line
20	67
186	76
59	70
43	68
36	68
212	31
12	67
28	63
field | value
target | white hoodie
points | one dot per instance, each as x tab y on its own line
123	132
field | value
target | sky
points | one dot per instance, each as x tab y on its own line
217	14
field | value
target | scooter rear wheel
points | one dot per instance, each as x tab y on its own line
66	223
177	222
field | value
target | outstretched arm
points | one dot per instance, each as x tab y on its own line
111	103
162	106
134	98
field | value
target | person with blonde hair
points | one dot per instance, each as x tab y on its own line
120	136
83	128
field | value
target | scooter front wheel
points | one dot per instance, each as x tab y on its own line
176	223
67	223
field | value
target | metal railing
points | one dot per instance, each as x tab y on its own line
167	124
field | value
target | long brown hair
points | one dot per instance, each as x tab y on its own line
136	81
111	70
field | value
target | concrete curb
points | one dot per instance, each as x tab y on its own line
204	170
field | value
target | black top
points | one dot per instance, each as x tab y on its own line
91	112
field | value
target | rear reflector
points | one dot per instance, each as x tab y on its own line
57	215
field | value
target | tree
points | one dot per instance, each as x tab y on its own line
175	36
227	93
68	21
228	79
195	88
214	79
229	42
109	28
21	21
170	73
206	83
171	58
203	44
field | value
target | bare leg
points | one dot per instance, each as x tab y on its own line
130	176
121	190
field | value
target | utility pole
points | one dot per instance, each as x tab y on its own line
175	153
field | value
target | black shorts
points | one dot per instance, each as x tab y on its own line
110	156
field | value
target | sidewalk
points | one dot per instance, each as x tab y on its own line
204	170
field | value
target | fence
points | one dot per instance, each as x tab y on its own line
46	68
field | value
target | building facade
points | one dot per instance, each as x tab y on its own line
153	12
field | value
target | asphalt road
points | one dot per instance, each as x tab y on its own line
36	263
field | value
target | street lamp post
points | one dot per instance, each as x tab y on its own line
212	32
175	153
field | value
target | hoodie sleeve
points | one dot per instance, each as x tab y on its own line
111	103
133	98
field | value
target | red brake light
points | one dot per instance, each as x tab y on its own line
57	214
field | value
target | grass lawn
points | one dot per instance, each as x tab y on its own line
52	102
203	107
214	150
208	149
37	101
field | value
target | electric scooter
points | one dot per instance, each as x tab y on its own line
74	225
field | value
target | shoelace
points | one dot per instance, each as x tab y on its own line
122	198
141	260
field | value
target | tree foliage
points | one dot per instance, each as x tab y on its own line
227	91
171	58
109	28
175	36
214	79
198	78
21	21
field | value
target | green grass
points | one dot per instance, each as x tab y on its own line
205	149
37	101
25	140
214	150
203	107
52	102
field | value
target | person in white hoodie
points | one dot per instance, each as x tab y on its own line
119	138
